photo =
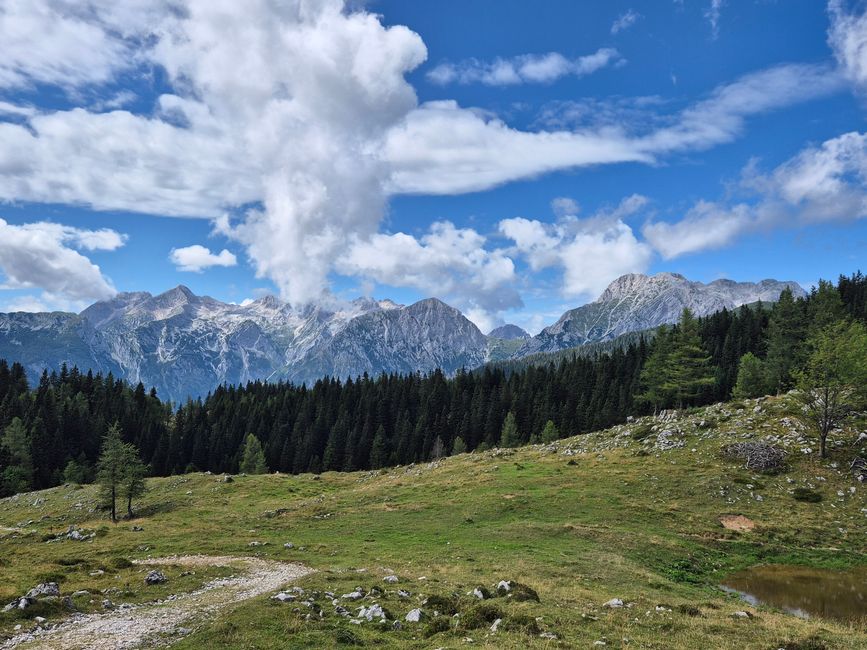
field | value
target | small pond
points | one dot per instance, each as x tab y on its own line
803	591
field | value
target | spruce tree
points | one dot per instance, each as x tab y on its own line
786	331
111	467
379	449
509	436
550	433
459	446
690	373
753	380
253	460
18	476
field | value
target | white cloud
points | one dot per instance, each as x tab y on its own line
443	149
197	258
722	116
713	14
563	206
823	183
590	252
449	262
304	113
42	255
706	225
527	68
625	21
848	38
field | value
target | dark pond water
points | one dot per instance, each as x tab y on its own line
803	592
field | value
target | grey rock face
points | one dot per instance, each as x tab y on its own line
637	302
509	332
186	345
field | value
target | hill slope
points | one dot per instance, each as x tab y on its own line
601	516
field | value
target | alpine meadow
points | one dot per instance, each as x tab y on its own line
335	324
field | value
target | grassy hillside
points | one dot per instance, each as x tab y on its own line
601	516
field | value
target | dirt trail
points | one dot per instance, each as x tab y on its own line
158	624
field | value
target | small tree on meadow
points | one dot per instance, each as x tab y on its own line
459	446
509	436
132	484
753	377
550	433
834	379
114	463
253	459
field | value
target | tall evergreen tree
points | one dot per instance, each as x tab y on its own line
509	436
253	459
786	332
18	475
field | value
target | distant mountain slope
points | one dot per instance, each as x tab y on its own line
186	345
638	302
508	332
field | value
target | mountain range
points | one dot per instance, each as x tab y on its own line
185	345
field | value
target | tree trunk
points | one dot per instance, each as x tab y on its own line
129	506
113	502
823	447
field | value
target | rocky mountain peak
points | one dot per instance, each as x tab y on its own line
508	332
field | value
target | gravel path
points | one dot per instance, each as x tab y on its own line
158	624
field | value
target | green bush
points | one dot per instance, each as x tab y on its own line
806	495
642	431
481	615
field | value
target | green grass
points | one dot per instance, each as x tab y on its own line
612	524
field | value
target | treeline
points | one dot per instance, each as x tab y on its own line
57	427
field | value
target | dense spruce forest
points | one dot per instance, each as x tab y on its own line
53	432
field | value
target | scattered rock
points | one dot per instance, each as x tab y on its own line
415	616
155	577
742	614
42	590
496	625
481	593
614	603
373	611
289	545
358	594
390	579
283	597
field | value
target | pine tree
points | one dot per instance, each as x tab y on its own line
253	460
786	331
509	436
132	484
753	380
690	372
18	476
550	433
459	446
379	449
111	467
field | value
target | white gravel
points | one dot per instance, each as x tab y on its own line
159	624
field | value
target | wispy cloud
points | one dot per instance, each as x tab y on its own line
713	15
527	68
625	21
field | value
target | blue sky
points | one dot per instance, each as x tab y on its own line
509	161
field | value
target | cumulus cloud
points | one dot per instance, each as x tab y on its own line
43	255
293	132
449	262
527	68
625	21
197	258
590	252
706	225
563	206
823	183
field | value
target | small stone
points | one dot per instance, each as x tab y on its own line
390	579
614	603
358	594
283	597
289	545
403	593
40	620
155	578
496	625
742	614
415	616
397	625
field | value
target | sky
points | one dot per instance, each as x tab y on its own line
509	158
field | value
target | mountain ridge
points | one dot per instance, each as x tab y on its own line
186	345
